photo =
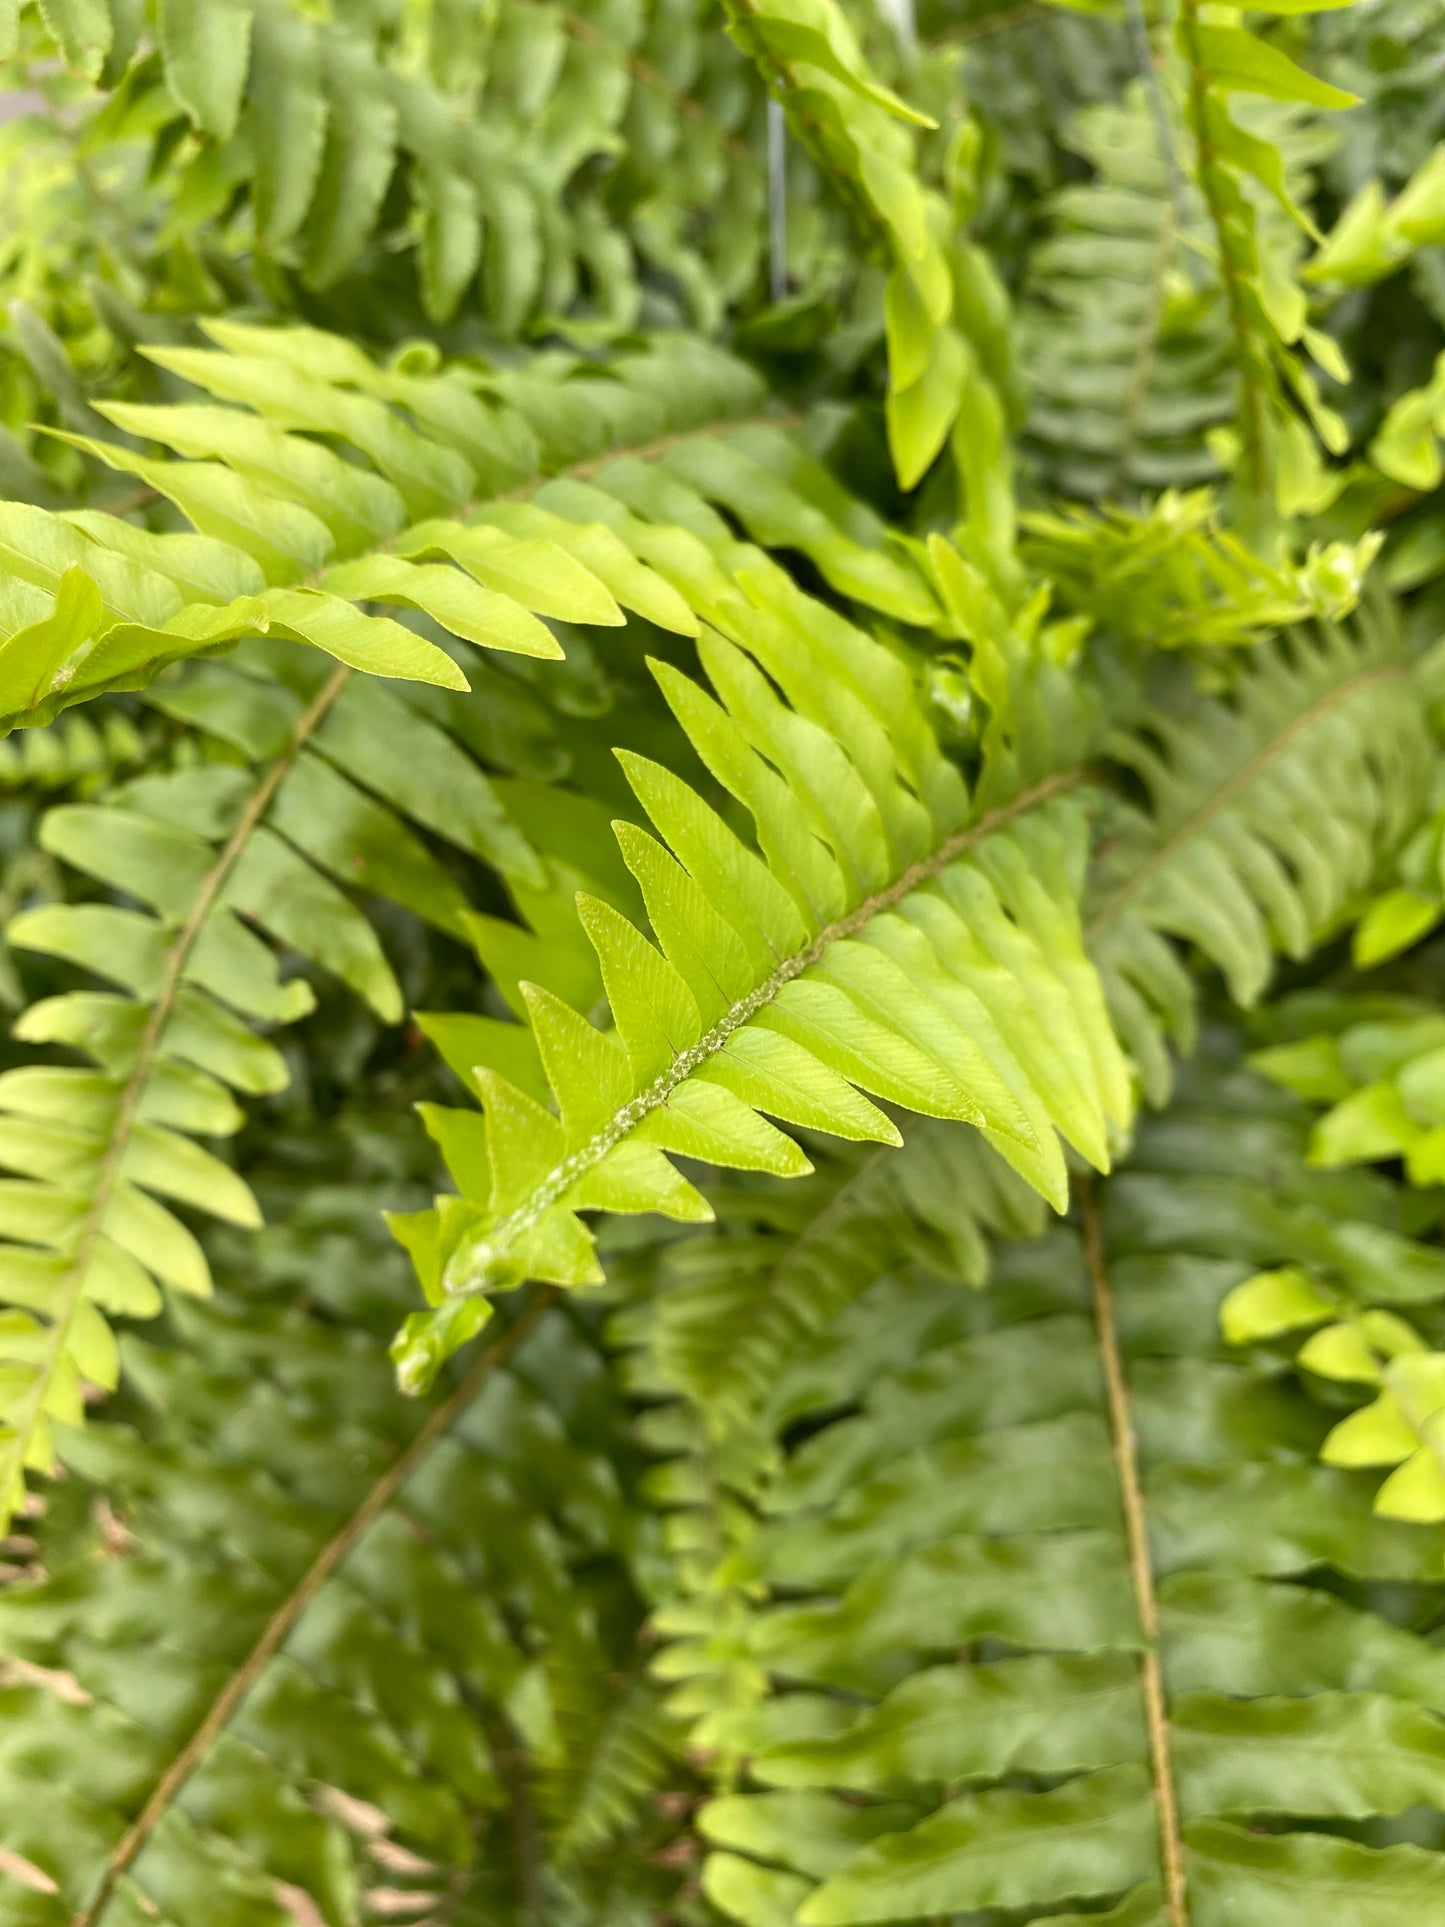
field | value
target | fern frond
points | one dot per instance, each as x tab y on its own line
1126	351
730	1313
888	938
329	1691
78	753
1376	1064
1372	1064
981	1518
1029	69
1373	238
478	147
732	1336
1174	577
945	310
449	465
326	781
1267	813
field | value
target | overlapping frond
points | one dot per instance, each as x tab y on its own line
310	497
1266	813
1376	1064
294	1648
945	310
1091	1594
729	1313
1028	73
326	485
1281	422
82	753
937	1691
476	141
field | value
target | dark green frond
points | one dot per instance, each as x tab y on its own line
931	1687
1267	813
301	1646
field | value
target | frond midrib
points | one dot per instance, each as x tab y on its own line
1141	1566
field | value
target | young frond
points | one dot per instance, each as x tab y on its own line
884	940
1174	577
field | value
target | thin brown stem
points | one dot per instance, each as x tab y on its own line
1141	1569
279	1625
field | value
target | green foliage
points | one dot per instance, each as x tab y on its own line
472	138
912	1634
771	796
1127	347
1174	578
1230	854
288	536
887	939
304	1646
1275	450
315	792
945	312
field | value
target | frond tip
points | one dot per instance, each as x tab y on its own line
883	941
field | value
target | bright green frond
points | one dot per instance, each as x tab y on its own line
880	942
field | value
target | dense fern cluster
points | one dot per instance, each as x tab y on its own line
724	1094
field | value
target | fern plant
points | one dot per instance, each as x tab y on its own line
726	641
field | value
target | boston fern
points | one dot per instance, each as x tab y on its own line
724	1099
